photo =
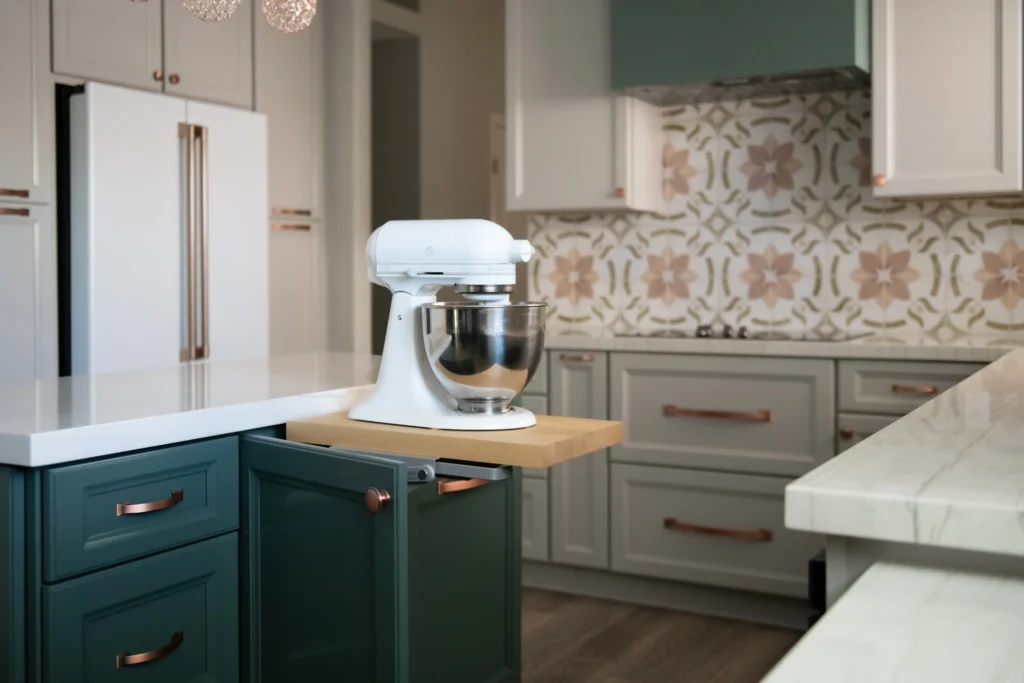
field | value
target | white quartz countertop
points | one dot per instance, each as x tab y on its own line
901	623
949	474
973	349
64	419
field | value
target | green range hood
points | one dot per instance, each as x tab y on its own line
680	51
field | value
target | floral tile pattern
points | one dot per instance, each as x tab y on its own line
769	221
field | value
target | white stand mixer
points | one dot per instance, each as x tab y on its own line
414	259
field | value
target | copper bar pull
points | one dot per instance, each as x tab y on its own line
452	485
924	389
376	499
845	434
177	638
127	508
577	357
289	227
188	133
7	192
204	261
753	535
738	416
278	211
14	212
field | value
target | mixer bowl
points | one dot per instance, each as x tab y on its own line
483	354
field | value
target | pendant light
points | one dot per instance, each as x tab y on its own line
289	16
211	10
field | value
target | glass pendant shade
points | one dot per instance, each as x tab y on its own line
211	10
289	16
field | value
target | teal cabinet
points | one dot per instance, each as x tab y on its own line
170	618
12	575
424	589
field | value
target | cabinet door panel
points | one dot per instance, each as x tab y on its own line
109	40
289	90
28	296
535	520
947	121
324	579
298	295
579	487
26	107
212	60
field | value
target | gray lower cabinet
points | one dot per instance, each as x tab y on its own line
535	520
579	488
707	527
171	617
896	387
763	415
538	405
851	429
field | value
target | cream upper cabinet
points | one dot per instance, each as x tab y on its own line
947	97
116	41
289	90
209	61
26	103
573	144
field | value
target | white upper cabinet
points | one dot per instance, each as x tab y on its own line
116	41
573	144
947	97
209	61
289	90
26	103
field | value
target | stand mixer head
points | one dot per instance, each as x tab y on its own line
452	365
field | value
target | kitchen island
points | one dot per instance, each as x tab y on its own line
162	520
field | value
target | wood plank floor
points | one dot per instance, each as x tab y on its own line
572	639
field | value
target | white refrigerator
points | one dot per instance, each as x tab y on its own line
168	233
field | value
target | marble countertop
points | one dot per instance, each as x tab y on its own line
973	349
64	419
900	623
950	474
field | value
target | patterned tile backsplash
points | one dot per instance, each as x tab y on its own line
769	222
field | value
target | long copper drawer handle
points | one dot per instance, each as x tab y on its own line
177	638
577	357
289	227
13	212
751	416
452	485
127	508
754	535
7	192
924	389
278	211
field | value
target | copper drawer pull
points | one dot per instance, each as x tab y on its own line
289	227
13	212
845	434
453	485
277	211
924	389
754	535
577	357
7	192
752	416
177	638
127	508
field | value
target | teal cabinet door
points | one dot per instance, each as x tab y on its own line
12	575
324	578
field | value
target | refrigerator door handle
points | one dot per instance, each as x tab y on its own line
204	260
188	133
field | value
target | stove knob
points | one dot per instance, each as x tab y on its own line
742	332
703	331
726	331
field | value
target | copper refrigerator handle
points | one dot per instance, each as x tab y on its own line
577	357
204	166
753	535
738	416
454	485
188	133
127	508
8	192
14	212
177	638
924	389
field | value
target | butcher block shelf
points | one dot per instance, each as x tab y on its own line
551	441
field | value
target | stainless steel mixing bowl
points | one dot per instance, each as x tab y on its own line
483	354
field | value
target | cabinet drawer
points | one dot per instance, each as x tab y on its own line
535	520
538	405
174	495
706	527
180	607
765	415
896	387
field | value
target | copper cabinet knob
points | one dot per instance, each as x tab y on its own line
845	434
174	79
879	180
620	193
376	499
158	75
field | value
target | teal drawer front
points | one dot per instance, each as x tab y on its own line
174	495
178	610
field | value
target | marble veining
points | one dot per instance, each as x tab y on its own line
949	474
903	623
57	420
